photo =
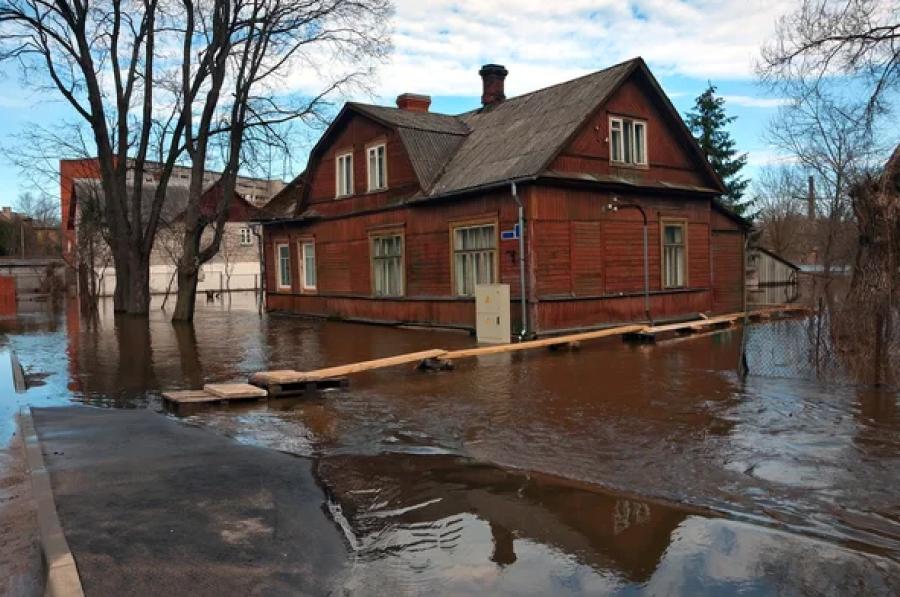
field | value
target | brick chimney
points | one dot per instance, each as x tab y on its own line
413	102
492	77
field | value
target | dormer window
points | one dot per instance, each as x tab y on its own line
377	167
344	174
628	141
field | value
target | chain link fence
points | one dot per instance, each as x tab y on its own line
832	343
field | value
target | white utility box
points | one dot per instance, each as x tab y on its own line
492	325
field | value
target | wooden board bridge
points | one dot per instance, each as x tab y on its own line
288	382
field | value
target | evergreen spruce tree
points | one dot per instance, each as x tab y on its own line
708	122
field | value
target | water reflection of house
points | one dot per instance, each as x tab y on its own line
402	211
771	279
413	503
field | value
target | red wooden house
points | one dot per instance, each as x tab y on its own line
401	211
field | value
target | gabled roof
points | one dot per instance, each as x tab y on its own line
520	136
284	203
778	257
513	140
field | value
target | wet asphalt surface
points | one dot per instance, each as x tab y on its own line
153	507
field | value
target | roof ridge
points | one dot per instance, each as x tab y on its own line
555	85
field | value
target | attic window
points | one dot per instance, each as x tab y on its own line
628	141
344	174
377	168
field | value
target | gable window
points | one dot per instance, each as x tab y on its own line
308	264
387	265
283	253
377	167
344	174
628	141
474	257
674	245
246	237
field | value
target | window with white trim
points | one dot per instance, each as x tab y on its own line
674	243
474	257
283	253
377	167
308	262
628	141
246	237
344	174
387	265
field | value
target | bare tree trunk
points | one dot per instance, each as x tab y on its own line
188	277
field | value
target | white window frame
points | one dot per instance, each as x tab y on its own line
339	159
372	152
375	260
302	248
473	256
247	234
622	141
280	281
666	249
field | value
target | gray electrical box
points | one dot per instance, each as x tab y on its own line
492	325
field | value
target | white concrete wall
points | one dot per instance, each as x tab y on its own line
244	276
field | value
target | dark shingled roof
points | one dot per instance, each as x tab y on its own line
422	121
519	137
429	152
514	140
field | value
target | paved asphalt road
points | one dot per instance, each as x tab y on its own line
154	507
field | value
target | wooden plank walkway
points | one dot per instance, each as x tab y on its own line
282	377
284	382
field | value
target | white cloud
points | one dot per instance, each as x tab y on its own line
768	156
441	44
748	101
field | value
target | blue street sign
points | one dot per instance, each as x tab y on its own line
510	234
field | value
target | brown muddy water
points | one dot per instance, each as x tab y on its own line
610	469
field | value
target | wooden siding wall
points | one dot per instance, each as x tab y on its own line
587	264
668	160
771	271
728	280
357	135
344	267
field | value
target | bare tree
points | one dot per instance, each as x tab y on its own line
779	196
827	139
265	41
93	256
40	207
175	79
866	328
859	39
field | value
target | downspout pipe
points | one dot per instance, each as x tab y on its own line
256	228
523	298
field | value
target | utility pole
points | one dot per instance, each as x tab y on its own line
811	199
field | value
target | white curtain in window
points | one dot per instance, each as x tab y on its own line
309	265
387	257
474	256
673	256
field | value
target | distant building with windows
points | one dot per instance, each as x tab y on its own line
401	212
237	265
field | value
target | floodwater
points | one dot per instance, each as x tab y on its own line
609	469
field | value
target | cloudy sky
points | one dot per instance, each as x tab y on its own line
440	44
